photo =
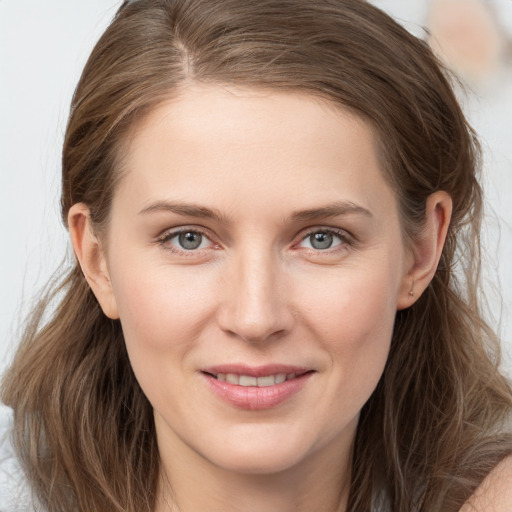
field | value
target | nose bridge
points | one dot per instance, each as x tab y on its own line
256	307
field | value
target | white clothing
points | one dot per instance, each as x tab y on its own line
15	494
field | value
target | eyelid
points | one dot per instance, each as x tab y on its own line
346	238
342	233
170	233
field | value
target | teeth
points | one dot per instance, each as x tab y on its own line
232	378
261	382
280	377
247	381
270	380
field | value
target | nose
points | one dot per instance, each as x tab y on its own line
256	300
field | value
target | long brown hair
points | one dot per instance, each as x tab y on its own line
434	427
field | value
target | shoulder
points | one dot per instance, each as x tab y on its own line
15	494
495	492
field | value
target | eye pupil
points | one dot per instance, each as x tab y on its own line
321	240
190	240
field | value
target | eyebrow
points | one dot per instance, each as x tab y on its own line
185	209
335	209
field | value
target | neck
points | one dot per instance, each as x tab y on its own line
188	483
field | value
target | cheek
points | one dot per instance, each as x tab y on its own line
351	302
163	313
352	315
163	308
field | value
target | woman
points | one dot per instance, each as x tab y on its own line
274	209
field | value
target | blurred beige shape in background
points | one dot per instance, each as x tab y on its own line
467	36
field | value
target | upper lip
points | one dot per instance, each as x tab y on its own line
255	371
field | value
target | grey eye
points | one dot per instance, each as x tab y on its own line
190	240
321	240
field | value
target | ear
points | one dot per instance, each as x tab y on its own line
91	258
426	249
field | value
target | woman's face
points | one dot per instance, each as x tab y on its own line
254	240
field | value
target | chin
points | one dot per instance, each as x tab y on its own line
256	462
264	452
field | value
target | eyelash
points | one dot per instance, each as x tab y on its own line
168	236
344	237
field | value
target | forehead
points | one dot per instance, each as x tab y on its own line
288	147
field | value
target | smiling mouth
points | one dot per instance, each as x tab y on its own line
251	381
256	388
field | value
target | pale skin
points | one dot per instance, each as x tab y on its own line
295	256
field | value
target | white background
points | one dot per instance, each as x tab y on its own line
43	47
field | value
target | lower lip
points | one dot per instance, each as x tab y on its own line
254	398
